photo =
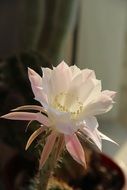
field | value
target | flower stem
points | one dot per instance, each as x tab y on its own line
46	172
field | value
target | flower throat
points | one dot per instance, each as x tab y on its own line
67	102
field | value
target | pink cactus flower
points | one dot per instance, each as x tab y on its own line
70	99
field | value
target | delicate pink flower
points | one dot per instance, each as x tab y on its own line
70	99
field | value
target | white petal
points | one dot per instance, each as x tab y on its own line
84	86
87	74
46	74
58	80
93	135
81	77
41	96
101	105
61	78
95	92
104	137
91	122
75	70
61	121
82	93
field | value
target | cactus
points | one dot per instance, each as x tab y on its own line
54	184
46	33
52	162
45	180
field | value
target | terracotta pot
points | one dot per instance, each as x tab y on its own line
102	173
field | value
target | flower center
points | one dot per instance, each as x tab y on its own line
66	102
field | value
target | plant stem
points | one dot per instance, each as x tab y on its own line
45	174
47	170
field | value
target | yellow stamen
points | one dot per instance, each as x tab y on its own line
66	102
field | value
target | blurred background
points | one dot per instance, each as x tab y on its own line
89	33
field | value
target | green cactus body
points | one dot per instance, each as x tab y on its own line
54	184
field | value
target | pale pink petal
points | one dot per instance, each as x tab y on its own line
20	116
61	77
47	148
109	93
104	137
30	107
75	149
64	127
43	119
28	117
34	77
33	136
36	85
62	66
